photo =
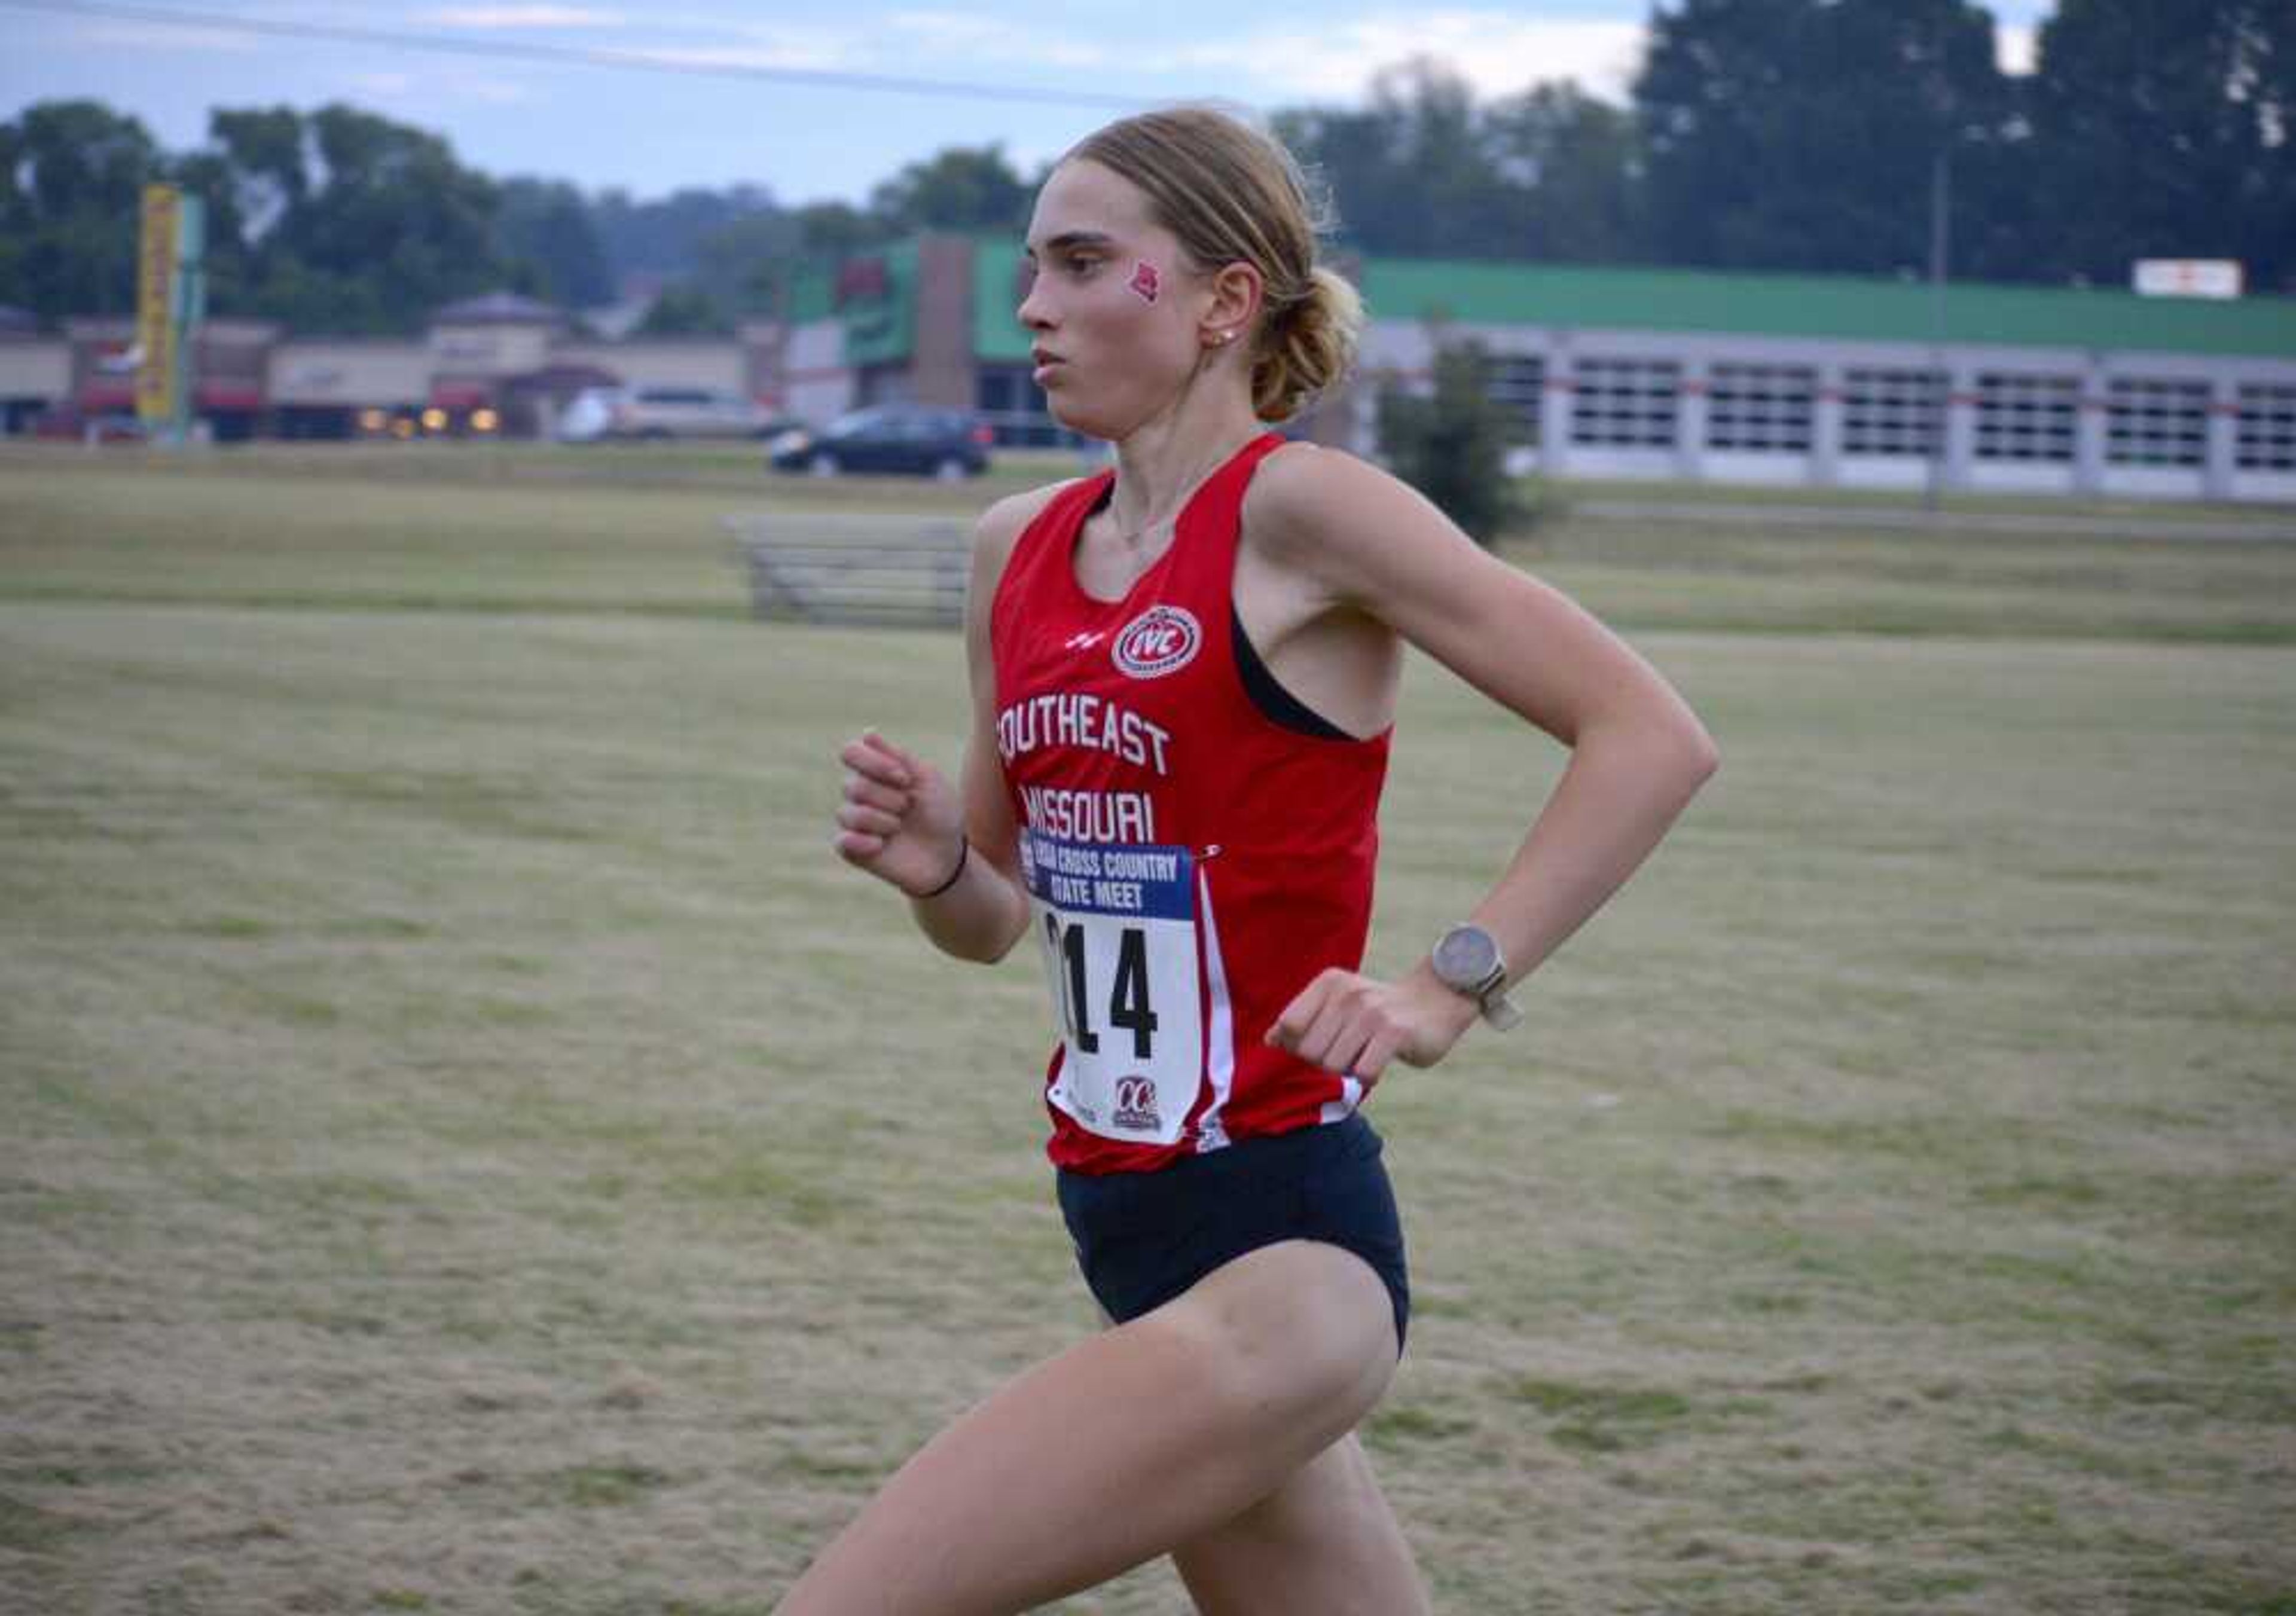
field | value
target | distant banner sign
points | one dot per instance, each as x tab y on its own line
2188	278
862	281
155	305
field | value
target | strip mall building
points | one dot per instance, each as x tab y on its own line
1784	380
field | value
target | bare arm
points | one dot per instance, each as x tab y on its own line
1637	752
951	848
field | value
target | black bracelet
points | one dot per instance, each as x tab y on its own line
963	852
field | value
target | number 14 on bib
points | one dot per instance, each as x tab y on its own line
1118	925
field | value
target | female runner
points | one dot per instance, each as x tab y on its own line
1184	671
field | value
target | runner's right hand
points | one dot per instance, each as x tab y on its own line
901	819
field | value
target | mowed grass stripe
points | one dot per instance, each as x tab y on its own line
505	529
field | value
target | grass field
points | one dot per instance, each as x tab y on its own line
469	1147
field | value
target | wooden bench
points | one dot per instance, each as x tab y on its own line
829	568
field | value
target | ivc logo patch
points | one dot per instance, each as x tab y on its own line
1162	640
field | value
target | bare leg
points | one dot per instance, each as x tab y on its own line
1122	1448
1324	1542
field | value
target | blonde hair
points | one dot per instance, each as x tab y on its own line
1232	194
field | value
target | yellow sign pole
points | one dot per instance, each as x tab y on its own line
158	377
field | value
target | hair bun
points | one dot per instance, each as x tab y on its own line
1306	345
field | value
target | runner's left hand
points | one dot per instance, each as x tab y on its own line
1348	1022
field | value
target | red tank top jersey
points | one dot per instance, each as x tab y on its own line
1192	863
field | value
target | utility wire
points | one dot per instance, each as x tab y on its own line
570	55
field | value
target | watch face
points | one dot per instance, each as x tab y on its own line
1465	956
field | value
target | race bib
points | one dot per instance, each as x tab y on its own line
1118	924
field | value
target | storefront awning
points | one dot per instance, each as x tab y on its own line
228	396
460	394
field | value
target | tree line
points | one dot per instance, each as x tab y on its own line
1805	135
1779	134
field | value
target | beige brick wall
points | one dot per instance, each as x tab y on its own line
320	372
40	368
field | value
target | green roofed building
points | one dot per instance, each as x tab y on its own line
1825	380
1834	379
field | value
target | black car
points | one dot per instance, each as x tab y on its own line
901	438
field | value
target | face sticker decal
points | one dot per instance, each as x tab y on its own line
1144	280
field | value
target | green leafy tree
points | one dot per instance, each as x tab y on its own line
2166	131
741	264
341	220
684	311
1452	444
660	238
265	151
1441	188
1424	169
833	229
72	183
1572	167
545	226
1413	171
1347	158
392	208
252	173
957	188
1802	134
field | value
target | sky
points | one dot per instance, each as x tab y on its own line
811	135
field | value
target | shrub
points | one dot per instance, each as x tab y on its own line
1452	445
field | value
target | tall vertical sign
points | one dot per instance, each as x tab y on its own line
170	298
155	308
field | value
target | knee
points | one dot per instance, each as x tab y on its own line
1299	1337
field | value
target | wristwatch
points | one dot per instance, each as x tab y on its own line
1466	960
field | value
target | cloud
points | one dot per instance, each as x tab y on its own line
901	45
784	45
991	39
2016	49
165	36
1497	54
495	92
431	89
522	16
818	56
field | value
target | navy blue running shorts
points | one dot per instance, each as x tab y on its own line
1143	1238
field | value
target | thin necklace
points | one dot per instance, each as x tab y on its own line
1128	540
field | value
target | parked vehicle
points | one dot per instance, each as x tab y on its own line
914	439
659	412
